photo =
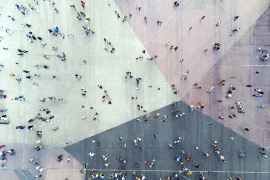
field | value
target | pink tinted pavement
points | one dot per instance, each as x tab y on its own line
191	43
242	61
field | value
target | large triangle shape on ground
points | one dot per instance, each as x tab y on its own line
236	55
110	71
192	128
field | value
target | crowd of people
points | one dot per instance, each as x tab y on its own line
106	98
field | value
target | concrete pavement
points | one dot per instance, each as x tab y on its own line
209	68
108	70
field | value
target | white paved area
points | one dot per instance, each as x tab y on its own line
101	67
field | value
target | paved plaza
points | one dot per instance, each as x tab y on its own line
126	107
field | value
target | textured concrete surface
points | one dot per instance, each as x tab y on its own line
209	68
109	70
193	130
105	68
47	158
242	61
175	29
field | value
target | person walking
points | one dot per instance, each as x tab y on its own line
28	25
236	17
218	23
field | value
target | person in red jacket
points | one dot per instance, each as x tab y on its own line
83	4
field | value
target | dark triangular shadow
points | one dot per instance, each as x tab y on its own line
193	130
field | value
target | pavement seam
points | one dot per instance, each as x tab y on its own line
243	172
23	174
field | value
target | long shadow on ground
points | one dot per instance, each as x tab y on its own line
193	130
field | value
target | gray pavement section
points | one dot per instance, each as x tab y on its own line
193	130
24	174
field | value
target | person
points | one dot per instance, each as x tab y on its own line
218	23
206	154
263	149
20	127
241	155
236	17
32	159
83	4
245	128
106	164
60	158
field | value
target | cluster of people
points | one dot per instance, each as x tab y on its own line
185	75
216	46
106	98
217	150
39	168
259	93
63	57
230	89
4	154
109	46
7	30
22	9
2	95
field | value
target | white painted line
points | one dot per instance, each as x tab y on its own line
255	65
23	174
243	172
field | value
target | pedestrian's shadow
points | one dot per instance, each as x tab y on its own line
205	53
